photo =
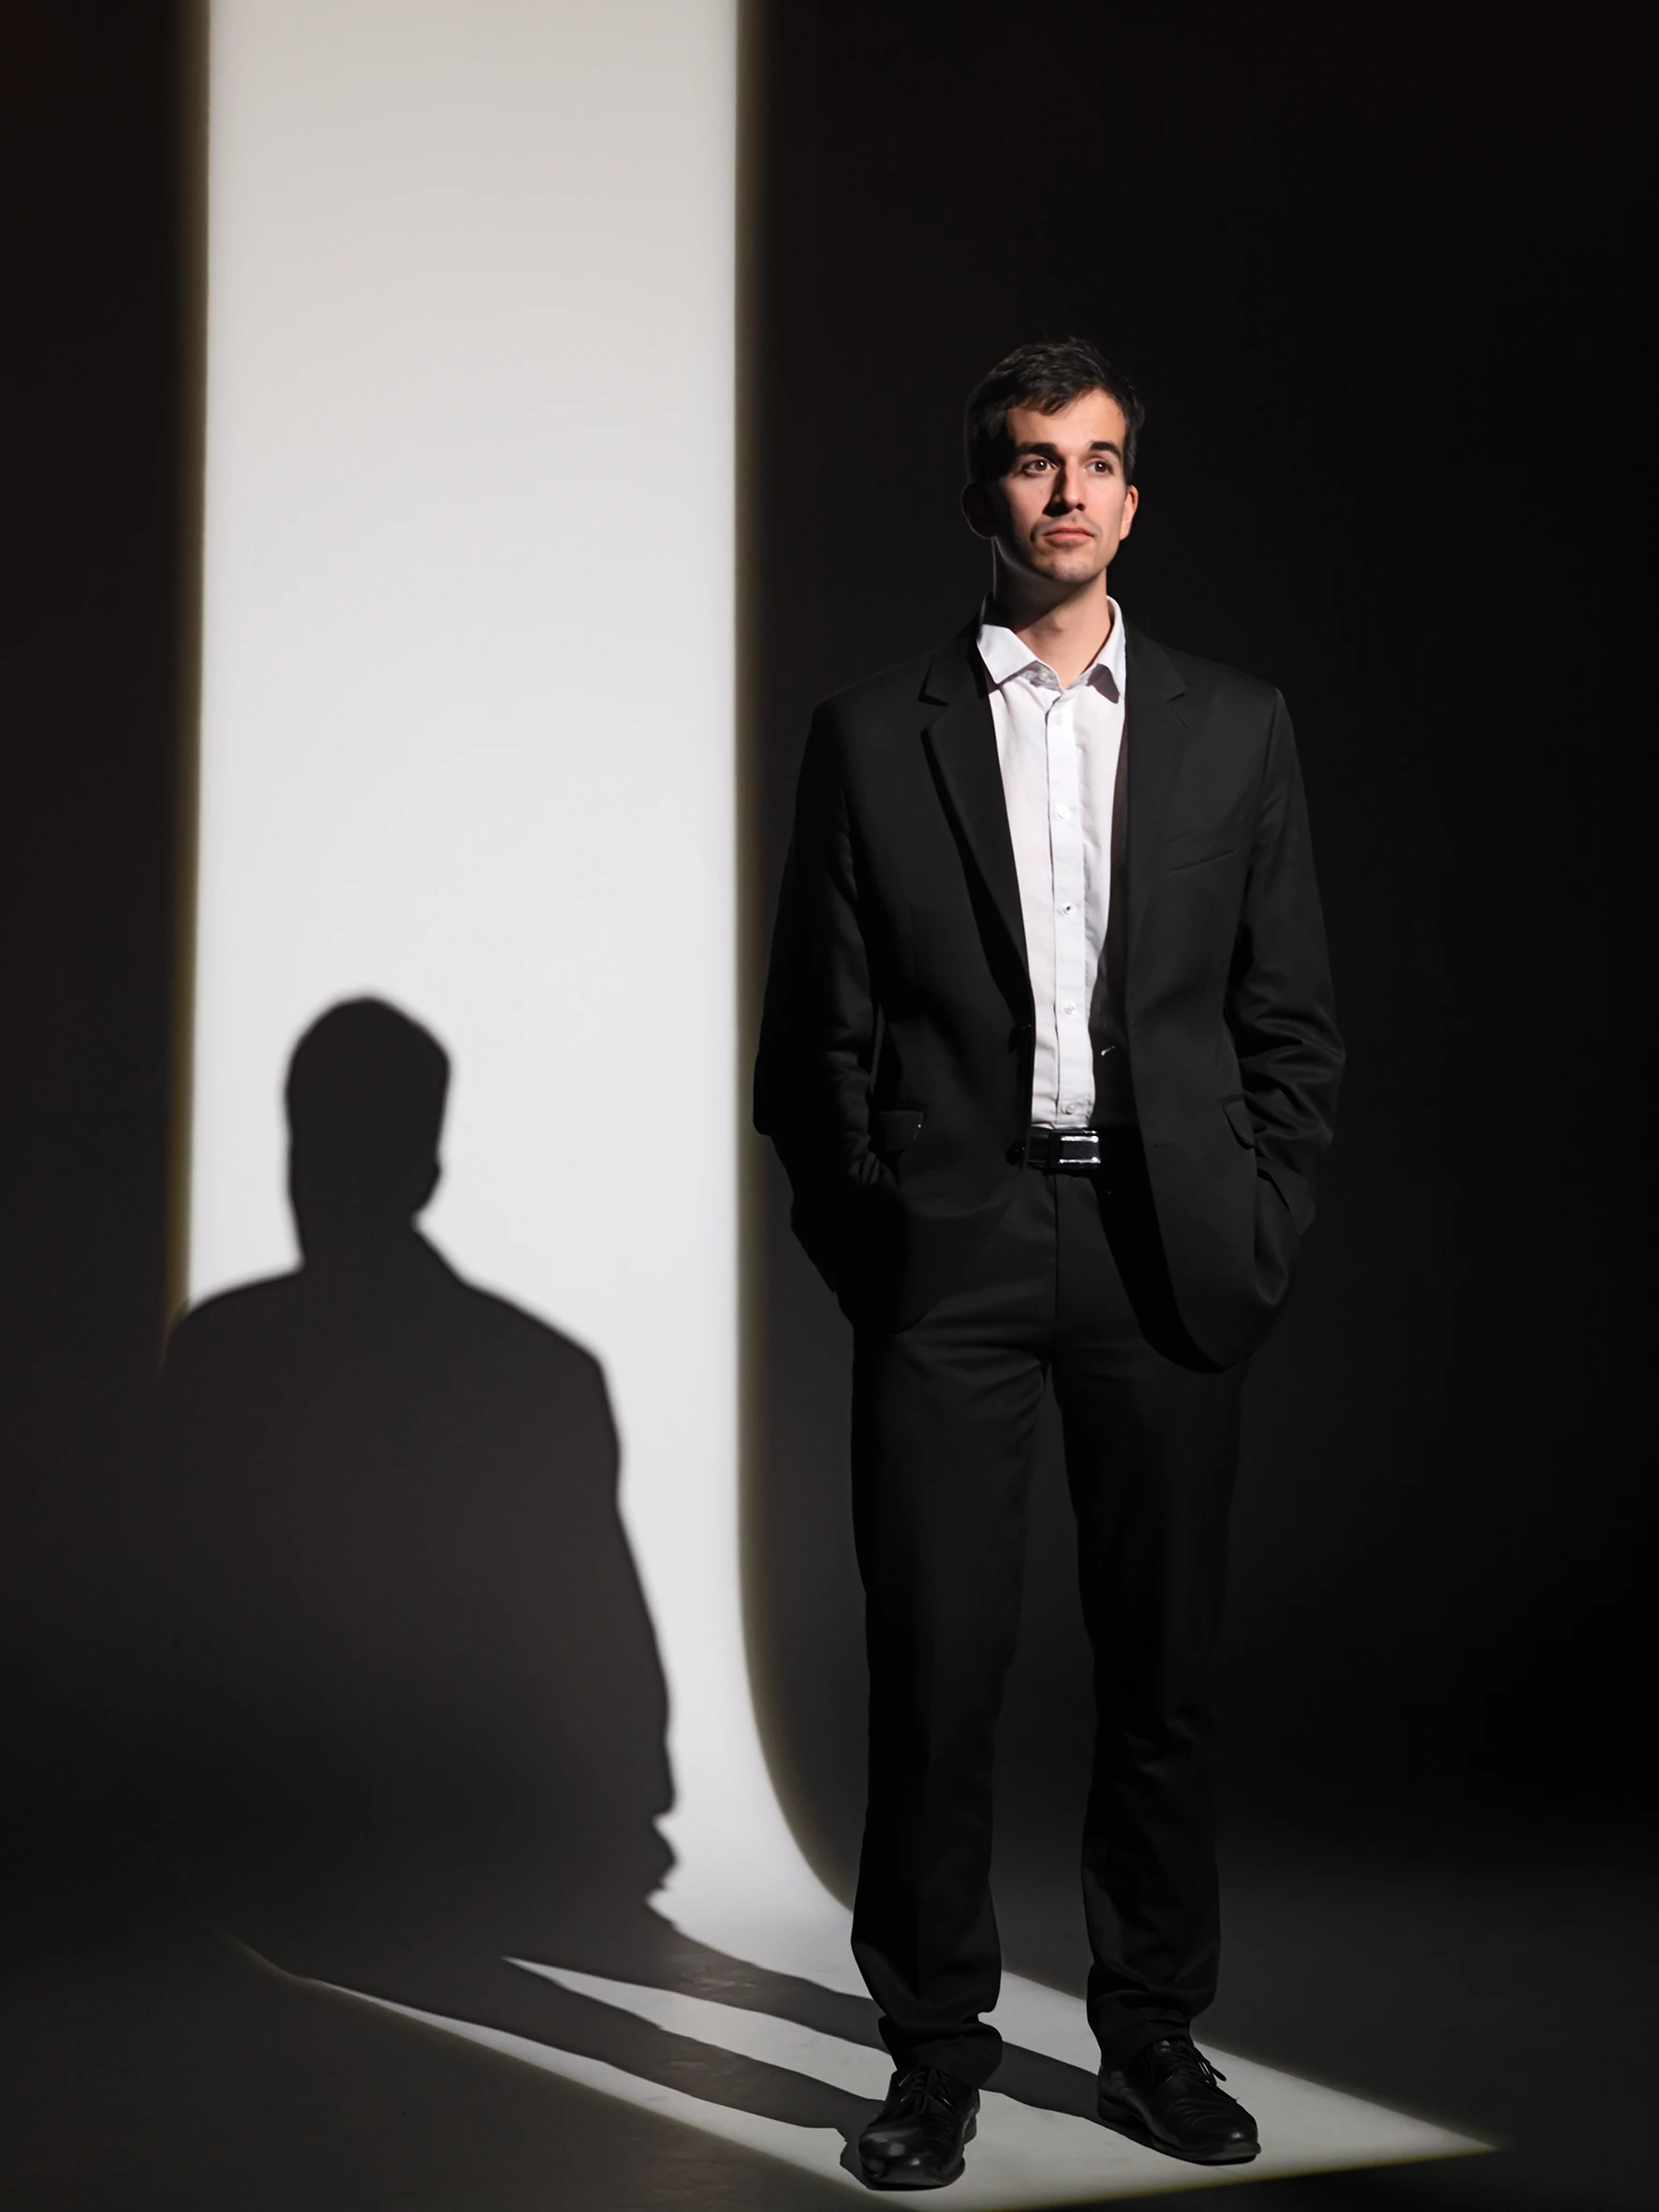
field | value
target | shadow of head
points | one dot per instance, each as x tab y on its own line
365	1095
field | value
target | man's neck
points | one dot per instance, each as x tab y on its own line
1066	633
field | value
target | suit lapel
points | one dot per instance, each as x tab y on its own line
1156	737
961	738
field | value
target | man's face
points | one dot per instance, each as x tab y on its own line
1062	508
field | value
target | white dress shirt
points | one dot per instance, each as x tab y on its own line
1058	751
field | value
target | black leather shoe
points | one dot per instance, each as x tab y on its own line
916	2140
1167	2097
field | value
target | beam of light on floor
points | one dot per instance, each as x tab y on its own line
1024	2156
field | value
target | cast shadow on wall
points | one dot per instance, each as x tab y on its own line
414	1711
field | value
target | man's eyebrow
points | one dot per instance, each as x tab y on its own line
1052	453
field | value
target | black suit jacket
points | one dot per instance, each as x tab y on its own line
895	1063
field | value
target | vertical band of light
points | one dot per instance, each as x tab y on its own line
467	694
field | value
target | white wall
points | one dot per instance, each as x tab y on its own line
467	696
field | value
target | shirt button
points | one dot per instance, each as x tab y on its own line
1070	1007
1066	908
1064	812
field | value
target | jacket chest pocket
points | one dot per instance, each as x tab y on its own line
1178	863
1219	838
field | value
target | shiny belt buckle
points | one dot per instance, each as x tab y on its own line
1076	1150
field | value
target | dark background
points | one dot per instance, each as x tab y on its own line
99	439
1382	279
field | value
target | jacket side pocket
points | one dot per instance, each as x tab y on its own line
894	1128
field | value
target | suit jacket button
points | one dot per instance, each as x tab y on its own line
1016	1155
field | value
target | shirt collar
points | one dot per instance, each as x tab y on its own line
1006	654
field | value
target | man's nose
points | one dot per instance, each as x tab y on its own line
1068	488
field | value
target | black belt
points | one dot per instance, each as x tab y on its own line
1076	1152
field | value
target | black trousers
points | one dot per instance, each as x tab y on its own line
944	1417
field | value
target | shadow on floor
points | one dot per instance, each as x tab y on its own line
153	2068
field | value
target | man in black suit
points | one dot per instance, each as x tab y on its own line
1049	1056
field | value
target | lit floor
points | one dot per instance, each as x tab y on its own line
153	2067
814	2047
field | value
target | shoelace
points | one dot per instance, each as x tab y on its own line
1188	2055
916	2085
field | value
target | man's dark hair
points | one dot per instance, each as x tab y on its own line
1048	377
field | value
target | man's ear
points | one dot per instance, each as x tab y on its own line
981	511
